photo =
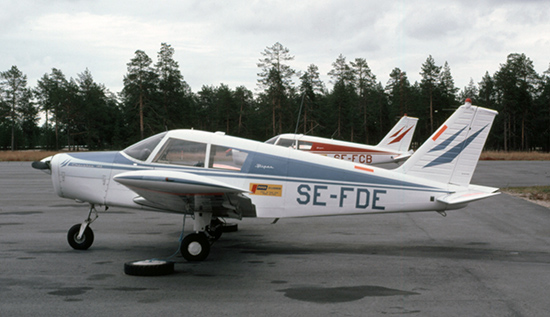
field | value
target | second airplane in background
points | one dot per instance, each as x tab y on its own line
394	147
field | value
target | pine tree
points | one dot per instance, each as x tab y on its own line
276	81
15	95
430	79
365	83
311	89
139	90
173	106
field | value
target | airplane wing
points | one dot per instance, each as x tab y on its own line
473	193
175	191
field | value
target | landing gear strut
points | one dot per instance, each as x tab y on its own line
81	236
196	246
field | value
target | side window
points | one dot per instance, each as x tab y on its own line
182	152
304	146
223	157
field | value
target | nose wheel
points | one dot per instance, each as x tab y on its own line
80	242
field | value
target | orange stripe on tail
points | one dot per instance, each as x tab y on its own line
440	132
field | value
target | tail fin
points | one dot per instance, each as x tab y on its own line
451	154
400	136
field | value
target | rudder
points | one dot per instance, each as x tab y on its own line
451	154
400	136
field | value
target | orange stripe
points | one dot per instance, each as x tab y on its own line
399	138
396	133
440	132
364	169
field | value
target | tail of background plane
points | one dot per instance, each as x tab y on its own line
400	136
451	154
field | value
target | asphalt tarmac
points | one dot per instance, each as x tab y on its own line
489	259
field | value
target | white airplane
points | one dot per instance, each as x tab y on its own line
193	173
394	147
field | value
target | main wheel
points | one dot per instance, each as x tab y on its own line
215	229
195	247
83	243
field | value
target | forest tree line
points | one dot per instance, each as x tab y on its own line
359	108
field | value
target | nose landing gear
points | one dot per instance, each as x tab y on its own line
81	236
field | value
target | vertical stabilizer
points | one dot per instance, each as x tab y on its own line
451	154
400	136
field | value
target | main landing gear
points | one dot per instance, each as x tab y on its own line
81	236
196	246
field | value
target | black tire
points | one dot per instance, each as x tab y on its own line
149	268
195	247
85	242
230	227
215	230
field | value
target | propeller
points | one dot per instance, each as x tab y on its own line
43	165
40	165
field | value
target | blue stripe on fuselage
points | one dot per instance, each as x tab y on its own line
257	165
265	164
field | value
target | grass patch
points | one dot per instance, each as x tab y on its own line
514	156
24	156
541	193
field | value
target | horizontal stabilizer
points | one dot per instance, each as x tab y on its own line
473	193
402	157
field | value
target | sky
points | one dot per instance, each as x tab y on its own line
219	42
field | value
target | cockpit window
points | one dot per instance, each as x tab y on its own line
142	150
182	152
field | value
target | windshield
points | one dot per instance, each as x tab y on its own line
142	150
272	140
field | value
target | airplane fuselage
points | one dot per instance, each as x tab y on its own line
281	182
342	150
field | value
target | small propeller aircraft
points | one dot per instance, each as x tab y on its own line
198	173
394	147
